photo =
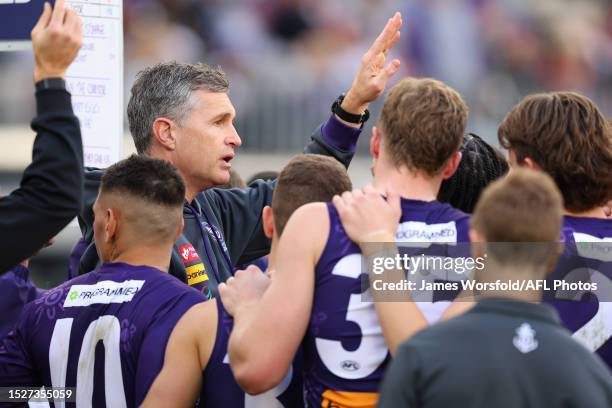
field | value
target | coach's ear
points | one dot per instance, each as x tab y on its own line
163	134
267	218
451	166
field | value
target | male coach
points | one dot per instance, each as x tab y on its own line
182	113
508	351
52	185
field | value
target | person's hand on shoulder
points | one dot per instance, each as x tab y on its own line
56	40
367	217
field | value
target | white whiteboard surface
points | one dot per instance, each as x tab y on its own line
95	80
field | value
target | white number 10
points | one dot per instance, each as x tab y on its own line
105	328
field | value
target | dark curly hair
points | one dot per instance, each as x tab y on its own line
480	164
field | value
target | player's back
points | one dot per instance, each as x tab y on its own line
104	333
220	389
344	350
587	257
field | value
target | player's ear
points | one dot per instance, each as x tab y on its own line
267	218
530	163
479	243
375	142
452	165
163	133
111	225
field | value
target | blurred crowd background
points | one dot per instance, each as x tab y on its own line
288	59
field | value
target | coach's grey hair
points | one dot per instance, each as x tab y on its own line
164	90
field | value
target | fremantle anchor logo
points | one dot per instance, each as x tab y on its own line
525	340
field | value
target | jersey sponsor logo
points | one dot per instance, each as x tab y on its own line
196	274
103	292
592	247
416	231
525	340
188	254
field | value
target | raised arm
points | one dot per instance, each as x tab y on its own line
241	209
51	186
189	348
338	137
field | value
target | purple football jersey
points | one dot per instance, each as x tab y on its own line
16	290
587	256
220	389
104	333
344	350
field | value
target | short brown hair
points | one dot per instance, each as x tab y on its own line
422	121
524	207
570	139
305	179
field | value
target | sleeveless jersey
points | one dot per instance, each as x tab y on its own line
104	333
587	257
344	350
220	389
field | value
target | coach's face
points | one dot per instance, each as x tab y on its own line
205	141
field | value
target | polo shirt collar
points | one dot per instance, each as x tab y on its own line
538	311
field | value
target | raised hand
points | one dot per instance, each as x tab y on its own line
56	40
373	74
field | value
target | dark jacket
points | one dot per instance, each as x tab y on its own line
51	189
502	353
223	228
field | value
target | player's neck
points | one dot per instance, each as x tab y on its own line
494	273
597	212
407	184
272	254
153	256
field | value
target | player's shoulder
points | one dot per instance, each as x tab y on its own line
445	211
311	216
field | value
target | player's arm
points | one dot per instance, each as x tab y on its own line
268	332
371	222
187	353
464	302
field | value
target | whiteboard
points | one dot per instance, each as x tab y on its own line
95	80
